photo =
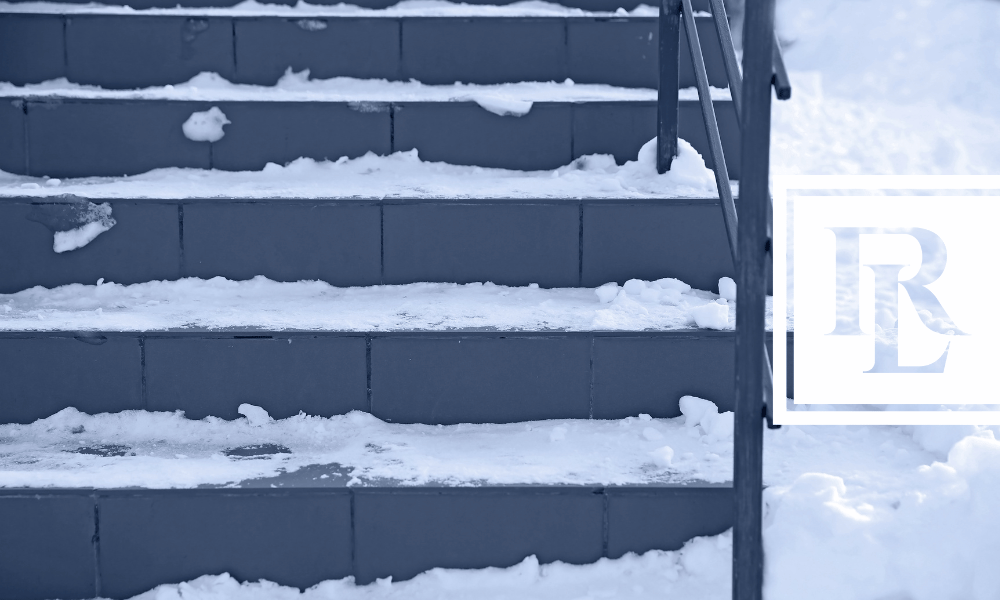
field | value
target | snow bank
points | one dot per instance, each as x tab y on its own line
515	98
405	8
699	570
933	538
315	305
166	450
399	175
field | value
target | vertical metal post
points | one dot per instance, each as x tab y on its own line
666	100
758	44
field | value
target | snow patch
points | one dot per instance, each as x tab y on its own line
205	126
701	569
74	223
411	8
260	303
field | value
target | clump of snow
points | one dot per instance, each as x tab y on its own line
303	10
314	305
701	569
96	220
727	289
663	457
64	241
687	170
256	416
607	292
713	315
704	414
205	126
505	107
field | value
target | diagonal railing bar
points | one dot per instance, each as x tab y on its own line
783	90
711	127
715	149
782	85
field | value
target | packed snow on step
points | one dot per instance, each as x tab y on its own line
400	175
405	8
513	98
260	303
700	570
166	450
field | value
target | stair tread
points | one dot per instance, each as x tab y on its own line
219	304
406	8
401	175
159	450
298	87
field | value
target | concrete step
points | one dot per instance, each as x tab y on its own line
428	377
118	543
550	242
78	137
137	50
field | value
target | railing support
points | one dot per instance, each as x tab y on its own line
758	70
666	100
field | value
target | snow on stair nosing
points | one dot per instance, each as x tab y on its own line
401	176
298	87
406	8
166	450
261	304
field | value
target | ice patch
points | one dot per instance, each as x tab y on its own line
205	126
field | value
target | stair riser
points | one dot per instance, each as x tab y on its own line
81	544
80	138
118	52
427	377
554	244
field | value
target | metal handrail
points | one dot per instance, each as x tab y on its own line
748	553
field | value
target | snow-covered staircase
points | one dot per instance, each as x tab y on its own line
302	526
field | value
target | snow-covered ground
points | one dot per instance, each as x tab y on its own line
405	8
314	305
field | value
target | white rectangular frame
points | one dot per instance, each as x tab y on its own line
781	185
